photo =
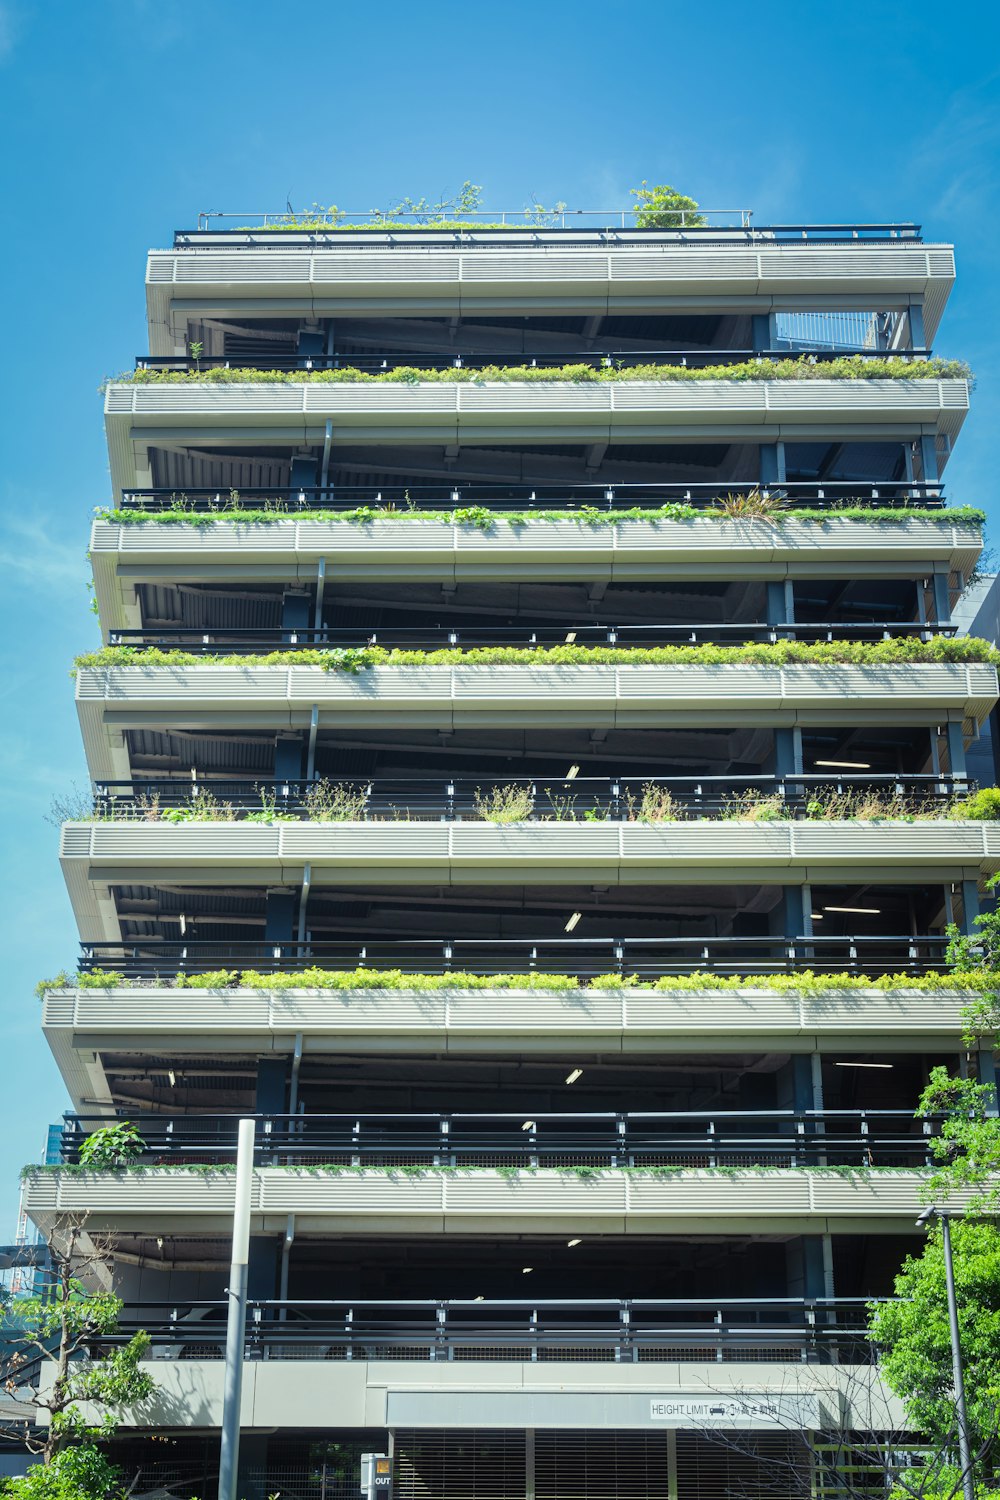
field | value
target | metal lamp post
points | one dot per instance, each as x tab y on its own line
964	1446
237	1321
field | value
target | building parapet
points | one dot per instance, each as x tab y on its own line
455	1201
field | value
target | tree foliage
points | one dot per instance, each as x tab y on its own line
55	1363
913	1337
967	1149
663	207
80	1473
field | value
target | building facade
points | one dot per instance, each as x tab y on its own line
516	680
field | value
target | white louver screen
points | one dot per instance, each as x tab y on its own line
460	1465
601	1466
751	1465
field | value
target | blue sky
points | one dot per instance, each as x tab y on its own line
121	119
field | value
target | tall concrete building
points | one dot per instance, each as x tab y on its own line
489	606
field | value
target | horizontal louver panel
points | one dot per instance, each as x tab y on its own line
459	1465
601	1466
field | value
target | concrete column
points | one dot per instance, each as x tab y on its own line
305	471
781	602
760	332
794	911
986	1072
970	906
956	748
918	338
928	459
288	757
805	1270
942	599
772	463
295	610
279	916
270	1097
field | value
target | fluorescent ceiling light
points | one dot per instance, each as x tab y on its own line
573	921
173	1078
865	911
573	772
847	765
571	638
525	1270
528	1125
863	1065
479	1299
576	1073
571	1243
817	916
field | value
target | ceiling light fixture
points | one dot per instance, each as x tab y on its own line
817	916
526	1269
571	638
173	1078
576	1073
528	1125
847	765
864	911
573	921
863	1065
572	773
571	1243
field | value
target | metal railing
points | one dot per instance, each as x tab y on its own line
206	640
782	1329
416	359
447	495
524	226
533	217
751	1138
650	959
534	799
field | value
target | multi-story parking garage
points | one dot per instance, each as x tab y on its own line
529	756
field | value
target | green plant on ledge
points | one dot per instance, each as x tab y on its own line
270	512
966	980
117	1145
900	651
799	367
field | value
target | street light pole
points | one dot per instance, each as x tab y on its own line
958	1381
237	1321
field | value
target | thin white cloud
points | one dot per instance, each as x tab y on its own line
29	552
8	32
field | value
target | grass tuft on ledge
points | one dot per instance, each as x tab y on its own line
583	1173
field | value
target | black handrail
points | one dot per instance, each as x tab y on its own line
389	234
417	359
777	1138
395	498
152	958
789	1328
543	799
207	639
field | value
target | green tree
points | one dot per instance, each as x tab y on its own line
967	1150
663	207
80	1473
914	1343
54	1361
